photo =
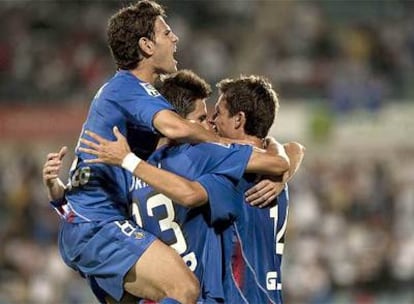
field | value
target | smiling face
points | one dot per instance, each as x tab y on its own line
165	45
222	122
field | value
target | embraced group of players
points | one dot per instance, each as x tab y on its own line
163	204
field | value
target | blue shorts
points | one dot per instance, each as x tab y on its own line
103	252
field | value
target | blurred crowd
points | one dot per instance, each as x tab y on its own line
349	240
355	53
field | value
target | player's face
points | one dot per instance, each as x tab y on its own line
165	47
221	120
199	115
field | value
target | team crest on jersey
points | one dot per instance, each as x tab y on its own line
150	89
139	235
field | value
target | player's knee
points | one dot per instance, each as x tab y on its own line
193	290
185	291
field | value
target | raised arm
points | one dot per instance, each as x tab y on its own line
50	174
174	127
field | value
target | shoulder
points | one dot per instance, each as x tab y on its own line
216	152
221	148
124	83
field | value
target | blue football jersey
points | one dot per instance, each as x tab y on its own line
98	191
187	230
252	247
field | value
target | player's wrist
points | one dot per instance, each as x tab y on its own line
130	162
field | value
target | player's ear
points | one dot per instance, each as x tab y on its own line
239	120
146	45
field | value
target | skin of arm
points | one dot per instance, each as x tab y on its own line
176	128
264	193
50	174
185	192
268	162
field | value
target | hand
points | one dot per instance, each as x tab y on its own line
264	193
55	187
108	152
52	167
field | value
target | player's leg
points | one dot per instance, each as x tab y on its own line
108	255
159	273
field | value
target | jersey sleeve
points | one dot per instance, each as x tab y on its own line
223	196
144	103
227	160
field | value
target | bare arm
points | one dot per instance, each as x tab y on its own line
272	161
295	152
50	174
265	192
173	126
181	190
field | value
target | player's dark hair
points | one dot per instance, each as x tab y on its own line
254	96
182	88
127	26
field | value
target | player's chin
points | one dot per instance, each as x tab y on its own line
174	66
170	69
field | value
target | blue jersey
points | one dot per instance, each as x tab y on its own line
99	192
252	248
187	230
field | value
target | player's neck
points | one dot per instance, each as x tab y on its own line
257	142
145	74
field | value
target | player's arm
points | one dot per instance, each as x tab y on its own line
50	174
181	190
174	127
272	161
265	192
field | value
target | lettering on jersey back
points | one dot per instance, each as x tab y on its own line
137	183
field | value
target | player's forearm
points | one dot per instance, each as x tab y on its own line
176	128
295	152
267	163
182	191
56	190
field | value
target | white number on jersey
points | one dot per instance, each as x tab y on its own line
167	223
271	276
80	177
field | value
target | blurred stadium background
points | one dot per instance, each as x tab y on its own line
344	71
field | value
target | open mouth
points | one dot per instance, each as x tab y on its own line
173	54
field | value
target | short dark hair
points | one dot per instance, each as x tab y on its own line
254	96
127	26
182	88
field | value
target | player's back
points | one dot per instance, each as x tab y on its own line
253	248
100	191
188	230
